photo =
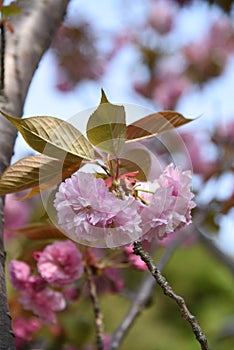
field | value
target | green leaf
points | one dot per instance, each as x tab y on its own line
38	172
40	231
106	127
136	160
155	124
10	10
53	137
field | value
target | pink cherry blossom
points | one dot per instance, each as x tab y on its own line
24	330
43	303
19	273
208	57
166	87
90	214
198	149
72	293
35	295
16	214
161	17
109	280
76	56
169	86
171	204
225	132
60	263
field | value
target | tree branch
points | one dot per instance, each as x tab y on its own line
34	29
143	297
96	307
168	291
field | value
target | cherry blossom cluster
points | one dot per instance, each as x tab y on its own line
59	268
24	330
59	264
93	209
89	212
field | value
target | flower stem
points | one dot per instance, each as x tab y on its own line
96	307
168	291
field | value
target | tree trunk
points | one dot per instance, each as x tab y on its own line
34	29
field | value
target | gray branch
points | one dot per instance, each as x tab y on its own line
143	297
168	291
96	307
34	29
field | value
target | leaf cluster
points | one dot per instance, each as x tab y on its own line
63	149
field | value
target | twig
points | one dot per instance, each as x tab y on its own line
2	64
142	298
96	307
168	291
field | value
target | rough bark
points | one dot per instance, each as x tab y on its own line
34	29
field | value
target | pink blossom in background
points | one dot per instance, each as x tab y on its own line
225	132
198	53
171	204
16	214
76	56
161	16
109	280
24	330
60	263
21	278
72	293
207	58
134	260
168	88
222	34
34	293
88	211
165	88
198	148
43	303
19	274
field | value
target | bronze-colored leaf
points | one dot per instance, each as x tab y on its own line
154	124
37	231
53	137
38	172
